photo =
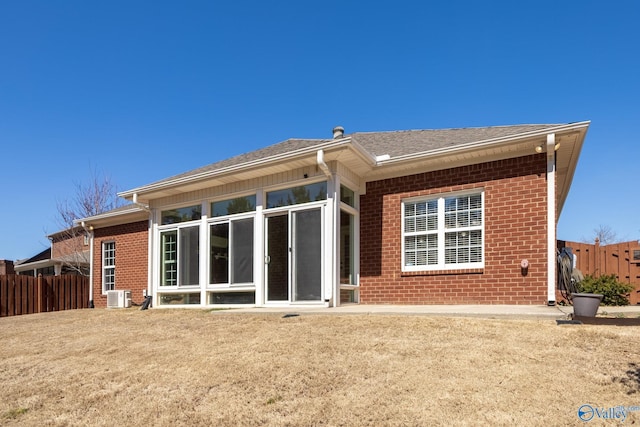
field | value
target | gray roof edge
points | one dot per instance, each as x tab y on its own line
121	211
347	139
477	144
183	179
458	128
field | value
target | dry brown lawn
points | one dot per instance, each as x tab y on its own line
200	368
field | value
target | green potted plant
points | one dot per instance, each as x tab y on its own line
593	291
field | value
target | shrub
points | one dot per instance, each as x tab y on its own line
614	292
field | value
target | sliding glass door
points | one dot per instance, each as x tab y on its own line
293	250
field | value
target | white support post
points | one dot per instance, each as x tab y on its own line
551	219
204	254
258	251
335	237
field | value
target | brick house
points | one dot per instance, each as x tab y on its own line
68	254
123	231
452	216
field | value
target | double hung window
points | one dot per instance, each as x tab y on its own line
108	266
231	254
445	232
231	241
179	247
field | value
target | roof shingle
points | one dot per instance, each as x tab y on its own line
393	143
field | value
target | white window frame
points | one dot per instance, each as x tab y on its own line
108	246
441	231
178	229
229	219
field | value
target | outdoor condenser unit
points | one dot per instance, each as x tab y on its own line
118	299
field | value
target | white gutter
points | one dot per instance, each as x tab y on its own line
551	219
321	164
486	143
234	168
137	207
140	205
35	265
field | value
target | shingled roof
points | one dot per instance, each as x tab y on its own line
378	155
393	143
408	142
288	146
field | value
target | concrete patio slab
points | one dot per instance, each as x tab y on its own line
485	311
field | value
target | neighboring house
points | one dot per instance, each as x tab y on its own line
6	267
452	216
68	254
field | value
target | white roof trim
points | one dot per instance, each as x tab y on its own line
485	143
230	169
111	214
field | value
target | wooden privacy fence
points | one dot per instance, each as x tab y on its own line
620	259
26	295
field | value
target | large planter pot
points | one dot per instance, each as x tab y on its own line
586	305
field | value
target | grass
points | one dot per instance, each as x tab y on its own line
201	368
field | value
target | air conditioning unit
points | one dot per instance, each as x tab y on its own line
118	299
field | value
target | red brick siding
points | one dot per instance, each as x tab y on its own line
6	267
68	243
132	242
515	228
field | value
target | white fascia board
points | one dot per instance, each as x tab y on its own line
110	215
487	143
234	168
369	158
571	170
35	264
65	232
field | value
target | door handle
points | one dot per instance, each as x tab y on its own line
267	259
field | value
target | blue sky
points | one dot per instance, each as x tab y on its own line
141	91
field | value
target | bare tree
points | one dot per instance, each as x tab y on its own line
70	245
604	234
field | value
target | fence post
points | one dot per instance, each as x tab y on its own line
39	294
598	259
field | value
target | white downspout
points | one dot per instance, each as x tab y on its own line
90	231
149	290
551	219
321	164
150	255
134	200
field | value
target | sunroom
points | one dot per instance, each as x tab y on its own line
281	229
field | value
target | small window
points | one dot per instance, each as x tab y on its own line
347	248
180	299
635	257
234	206
175	216
108	266
297	195
232	298
347	196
